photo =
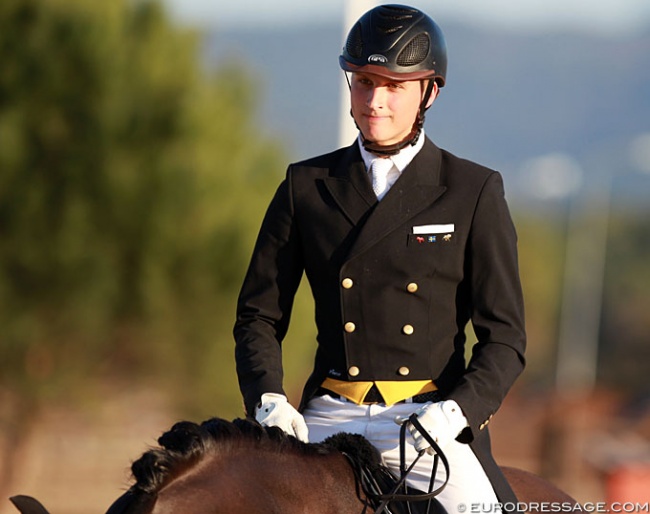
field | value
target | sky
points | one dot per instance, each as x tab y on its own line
605	16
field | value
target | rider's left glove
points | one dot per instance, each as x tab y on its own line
275	410
442	420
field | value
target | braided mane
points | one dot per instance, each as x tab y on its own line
187	443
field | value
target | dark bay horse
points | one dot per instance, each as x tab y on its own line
221	467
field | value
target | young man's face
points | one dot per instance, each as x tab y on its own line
385	109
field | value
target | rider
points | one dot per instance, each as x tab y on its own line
398	266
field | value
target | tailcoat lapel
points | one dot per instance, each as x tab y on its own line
417	188
350	186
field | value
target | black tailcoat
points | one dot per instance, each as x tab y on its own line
410	292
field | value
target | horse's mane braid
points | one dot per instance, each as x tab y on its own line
188	442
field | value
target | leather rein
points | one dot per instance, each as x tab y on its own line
372	490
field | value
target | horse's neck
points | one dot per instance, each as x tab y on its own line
262	482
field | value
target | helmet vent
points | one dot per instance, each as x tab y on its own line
391	18
390	29
415	51
354	43
396	12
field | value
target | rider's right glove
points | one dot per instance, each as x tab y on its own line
275	410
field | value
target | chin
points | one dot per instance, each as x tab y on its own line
376	138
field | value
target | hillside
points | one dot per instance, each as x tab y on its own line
510	96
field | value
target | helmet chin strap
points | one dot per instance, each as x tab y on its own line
394	149
410	139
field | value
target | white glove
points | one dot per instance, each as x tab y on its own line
443	421
276	411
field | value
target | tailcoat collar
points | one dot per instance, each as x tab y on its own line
420	185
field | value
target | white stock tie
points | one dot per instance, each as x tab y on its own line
380	169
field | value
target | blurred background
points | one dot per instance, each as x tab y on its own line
140	142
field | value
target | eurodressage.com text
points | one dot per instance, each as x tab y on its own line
597	507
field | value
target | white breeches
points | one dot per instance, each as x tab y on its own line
468	484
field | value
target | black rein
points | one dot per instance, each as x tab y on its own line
374	494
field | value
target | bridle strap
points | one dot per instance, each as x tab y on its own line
438	457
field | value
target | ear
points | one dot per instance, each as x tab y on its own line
433	95
28	505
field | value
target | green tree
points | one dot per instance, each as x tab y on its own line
131	188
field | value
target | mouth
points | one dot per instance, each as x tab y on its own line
375	117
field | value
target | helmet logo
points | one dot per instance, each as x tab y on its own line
377	58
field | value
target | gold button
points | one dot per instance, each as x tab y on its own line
408	329
404	371
354	371
412	287
350	327
347	283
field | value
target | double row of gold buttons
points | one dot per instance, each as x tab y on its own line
350	327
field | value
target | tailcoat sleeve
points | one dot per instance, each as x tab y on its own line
266	298
496	309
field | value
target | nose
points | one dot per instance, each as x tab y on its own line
376	98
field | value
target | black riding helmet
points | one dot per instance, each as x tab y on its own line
400	43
